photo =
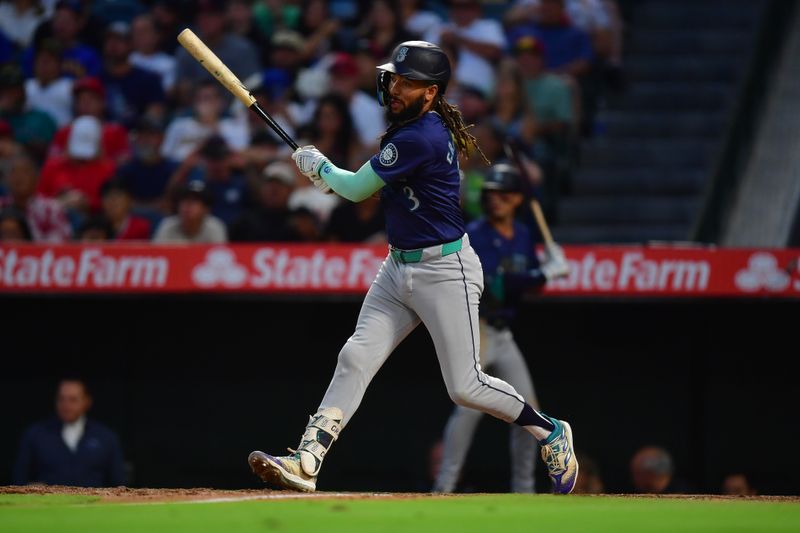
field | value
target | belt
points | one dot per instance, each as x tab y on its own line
415	256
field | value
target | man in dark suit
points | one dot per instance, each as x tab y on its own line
70	449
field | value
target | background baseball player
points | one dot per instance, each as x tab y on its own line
505	247
431	274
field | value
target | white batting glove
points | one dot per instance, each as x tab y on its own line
320	184
309	160
555	263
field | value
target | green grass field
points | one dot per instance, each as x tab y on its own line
28	513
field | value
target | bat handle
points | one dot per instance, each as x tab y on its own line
274	125
547	237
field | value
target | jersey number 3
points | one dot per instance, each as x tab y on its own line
409	192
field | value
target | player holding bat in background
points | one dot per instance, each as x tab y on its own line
505	247
431	275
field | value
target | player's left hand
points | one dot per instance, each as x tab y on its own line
555	263
320	184
309	160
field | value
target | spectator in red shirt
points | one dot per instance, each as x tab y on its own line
117	203
76	178
89	98
46	217
117	208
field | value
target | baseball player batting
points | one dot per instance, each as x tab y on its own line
506	250
431	274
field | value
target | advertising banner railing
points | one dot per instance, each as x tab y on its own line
615	271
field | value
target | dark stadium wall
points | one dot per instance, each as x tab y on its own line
193	384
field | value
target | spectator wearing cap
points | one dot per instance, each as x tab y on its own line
276	82
133	92
548	95
19	19
235	52
77	177
194	222
89	99
216	166
45	217
48	90
147	173
32	128
271	220
68	21
285	61
367	115
146	39
479	43
567	49
592	16
13	226
185	135
552	101
117	204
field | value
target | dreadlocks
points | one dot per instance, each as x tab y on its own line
465	141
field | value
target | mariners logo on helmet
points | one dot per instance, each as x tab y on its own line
401	54
388	155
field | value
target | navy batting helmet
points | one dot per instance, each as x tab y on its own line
503	177
416	60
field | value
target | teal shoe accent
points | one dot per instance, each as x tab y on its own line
557	432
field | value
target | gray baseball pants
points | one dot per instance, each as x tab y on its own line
501	355
442	293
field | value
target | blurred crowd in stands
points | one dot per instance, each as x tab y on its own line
109	130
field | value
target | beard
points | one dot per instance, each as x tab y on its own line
410	112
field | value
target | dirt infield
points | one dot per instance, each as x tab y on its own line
125	494
130	495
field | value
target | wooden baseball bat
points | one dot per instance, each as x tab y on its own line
513	153
542	223
203	54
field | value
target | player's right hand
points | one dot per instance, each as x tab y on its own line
309	160
555	263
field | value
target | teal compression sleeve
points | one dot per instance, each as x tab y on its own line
355	186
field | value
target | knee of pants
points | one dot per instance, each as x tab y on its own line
464	396
353	356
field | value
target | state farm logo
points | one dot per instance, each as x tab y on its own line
762	272
92	267
286	269
220	268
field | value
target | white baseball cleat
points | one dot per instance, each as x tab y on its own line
282	472
299	470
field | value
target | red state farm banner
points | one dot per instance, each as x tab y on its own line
349	269
678	271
